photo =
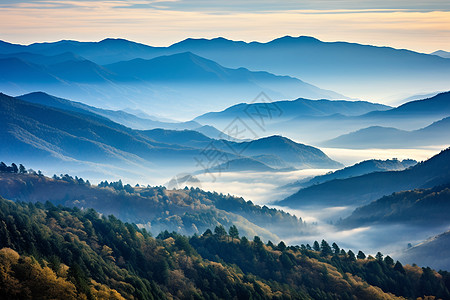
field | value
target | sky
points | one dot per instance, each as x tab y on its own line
423	26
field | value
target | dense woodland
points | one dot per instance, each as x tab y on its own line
420	207
73	253
187	211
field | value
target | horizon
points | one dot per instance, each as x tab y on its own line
208	39
415	26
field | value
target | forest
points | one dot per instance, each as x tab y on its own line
186	211
81	254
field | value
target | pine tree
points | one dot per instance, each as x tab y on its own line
389	261
336	248
233	232
316	246
351	255
14	168
220	231
379	256
22	169
325	248
281	246
361	255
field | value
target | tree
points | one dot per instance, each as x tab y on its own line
336	249
14	168
351	255
220	231
208	232
379	256
281	246
389	261
399	268
22	169
361	255
3	167
325	248
233	232
257	242
316	246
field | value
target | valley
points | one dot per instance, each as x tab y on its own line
214	168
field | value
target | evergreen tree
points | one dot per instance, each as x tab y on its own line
207	232
399	268
233	232
22	169
336	249
325	248
281	246
361	255
351	255
379	256
14	168
220	231
257	242
316	246
389	261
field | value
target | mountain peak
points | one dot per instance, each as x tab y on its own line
290	39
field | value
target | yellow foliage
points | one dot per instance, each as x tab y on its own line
29	279
101	291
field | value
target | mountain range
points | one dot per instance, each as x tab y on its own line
353	69
360	190
387	137
442	53
318	121
349	68
418	207
157	85
80	138
361	168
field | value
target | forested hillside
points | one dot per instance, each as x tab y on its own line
186	211
73	253
360	190
422	207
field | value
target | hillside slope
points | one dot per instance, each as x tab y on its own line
186	211
362	189
425	252
95	257
361	168
421	207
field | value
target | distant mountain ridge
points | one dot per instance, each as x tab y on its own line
334	65
74	137
121	117
419	207
385	137
162	82
361	168
362	189
302	108
319	122
442	53
433	252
